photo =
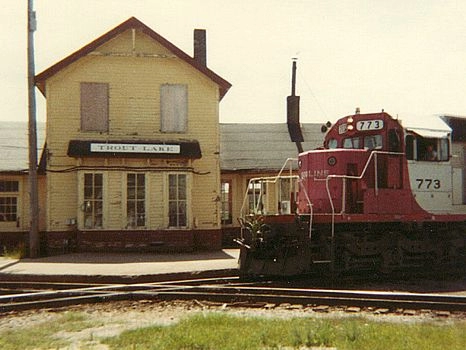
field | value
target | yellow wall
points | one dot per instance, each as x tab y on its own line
134	115
23	212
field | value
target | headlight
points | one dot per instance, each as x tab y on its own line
331	161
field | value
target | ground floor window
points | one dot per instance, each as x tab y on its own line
93	201
226	200
177	200
8	209
136	200
9	200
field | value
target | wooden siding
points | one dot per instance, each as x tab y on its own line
134	78
23	212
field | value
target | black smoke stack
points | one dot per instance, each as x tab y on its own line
292	113
200	51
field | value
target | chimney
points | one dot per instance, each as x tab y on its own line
292	113
200	46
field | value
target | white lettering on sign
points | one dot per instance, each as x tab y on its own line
364	125
135	148
320	174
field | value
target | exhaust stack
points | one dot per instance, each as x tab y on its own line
292	113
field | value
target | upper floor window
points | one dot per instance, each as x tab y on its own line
174	108
94	107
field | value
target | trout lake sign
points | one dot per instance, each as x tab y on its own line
122	149
134	148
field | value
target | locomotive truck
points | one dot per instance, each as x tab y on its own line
375	196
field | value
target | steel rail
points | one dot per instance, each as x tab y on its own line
230	294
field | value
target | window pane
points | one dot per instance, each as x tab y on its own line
93	204
131	193
88	180
373	142
172	187
135	200
172	214
182	214
8	209
131	180
177	200
9	186
181	186
444	150
98	180
87	192
141	179
226	216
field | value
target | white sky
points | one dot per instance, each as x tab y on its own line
407	57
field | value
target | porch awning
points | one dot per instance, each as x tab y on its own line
135	149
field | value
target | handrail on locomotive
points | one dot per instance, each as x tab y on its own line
257	207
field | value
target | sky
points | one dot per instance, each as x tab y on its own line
407	57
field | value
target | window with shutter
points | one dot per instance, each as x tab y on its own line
94	107
174	108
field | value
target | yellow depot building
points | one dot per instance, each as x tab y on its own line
132	145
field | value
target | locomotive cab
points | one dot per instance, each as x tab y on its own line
358	169
370	164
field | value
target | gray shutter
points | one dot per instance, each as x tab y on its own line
174	107
94	107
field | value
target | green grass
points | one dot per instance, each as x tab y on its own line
223	331
42	336
215	331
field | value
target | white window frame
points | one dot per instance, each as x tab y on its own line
134	223
13	195
186	200
87	205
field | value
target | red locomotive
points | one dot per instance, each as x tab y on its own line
376	196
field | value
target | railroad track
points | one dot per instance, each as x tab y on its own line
229	291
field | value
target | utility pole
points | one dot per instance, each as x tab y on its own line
33	186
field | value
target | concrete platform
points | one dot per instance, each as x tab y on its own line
118	268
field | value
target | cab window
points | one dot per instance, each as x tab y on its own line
432	149
332	143
373	142
351	142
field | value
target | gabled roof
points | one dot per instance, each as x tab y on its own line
129	24
262	147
